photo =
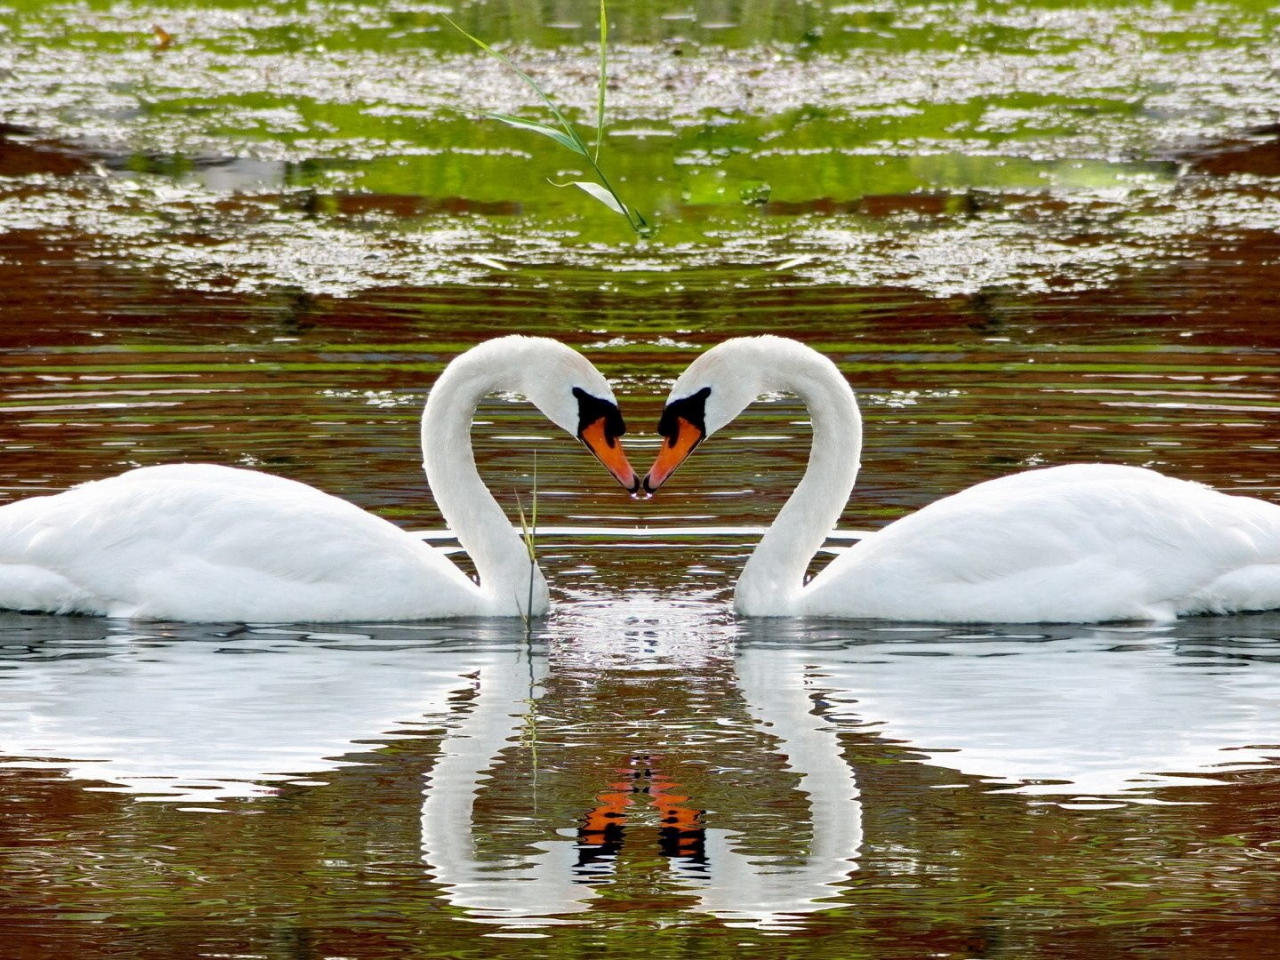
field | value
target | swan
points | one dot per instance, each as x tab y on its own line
1082	543
200	542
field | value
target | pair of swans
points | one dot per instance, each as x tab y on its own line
1079	543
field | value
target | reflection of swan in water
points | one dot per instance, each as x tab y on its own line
713	863
512	887
203	717
759	890
1065	711
201	542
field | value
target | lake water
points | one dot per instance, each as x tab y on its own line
1028	235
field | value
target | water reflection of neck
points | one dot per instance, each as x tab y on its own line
524	884
772	891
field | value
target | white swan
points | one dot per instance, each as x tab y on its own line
1081	543
199	542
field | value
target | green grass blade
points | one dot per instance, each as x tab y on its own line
529	530
525	531
533	532
603	194
557	135
533	85
604	76
534	511
571	139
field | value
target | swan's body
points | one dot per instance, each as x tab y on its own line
1081	543
199	542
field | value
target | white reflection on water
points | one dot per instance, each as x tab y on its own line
547	885
728	880
760	890
193	713
1070	711
196	716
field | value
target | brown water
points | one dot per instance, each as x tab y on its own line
1028	236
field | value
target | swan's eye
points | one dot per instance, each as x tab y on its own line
692	409
592	410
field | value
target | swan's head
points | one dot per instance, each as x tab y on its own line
714	389
575	396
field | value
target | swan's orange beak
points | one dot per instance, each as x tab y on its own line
673	453
609	452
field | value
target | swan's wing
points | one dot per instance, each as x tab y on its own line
201	542
1079	543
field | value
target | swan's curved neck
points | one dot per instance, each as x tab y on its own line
468	507
772	580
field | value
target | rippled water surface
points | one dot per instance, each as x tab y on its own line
1029	235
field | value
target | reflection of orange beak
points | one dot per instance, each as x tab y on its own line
609	452
672	454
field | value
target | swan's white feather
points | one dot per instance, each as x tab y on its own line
1079	543
205	542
